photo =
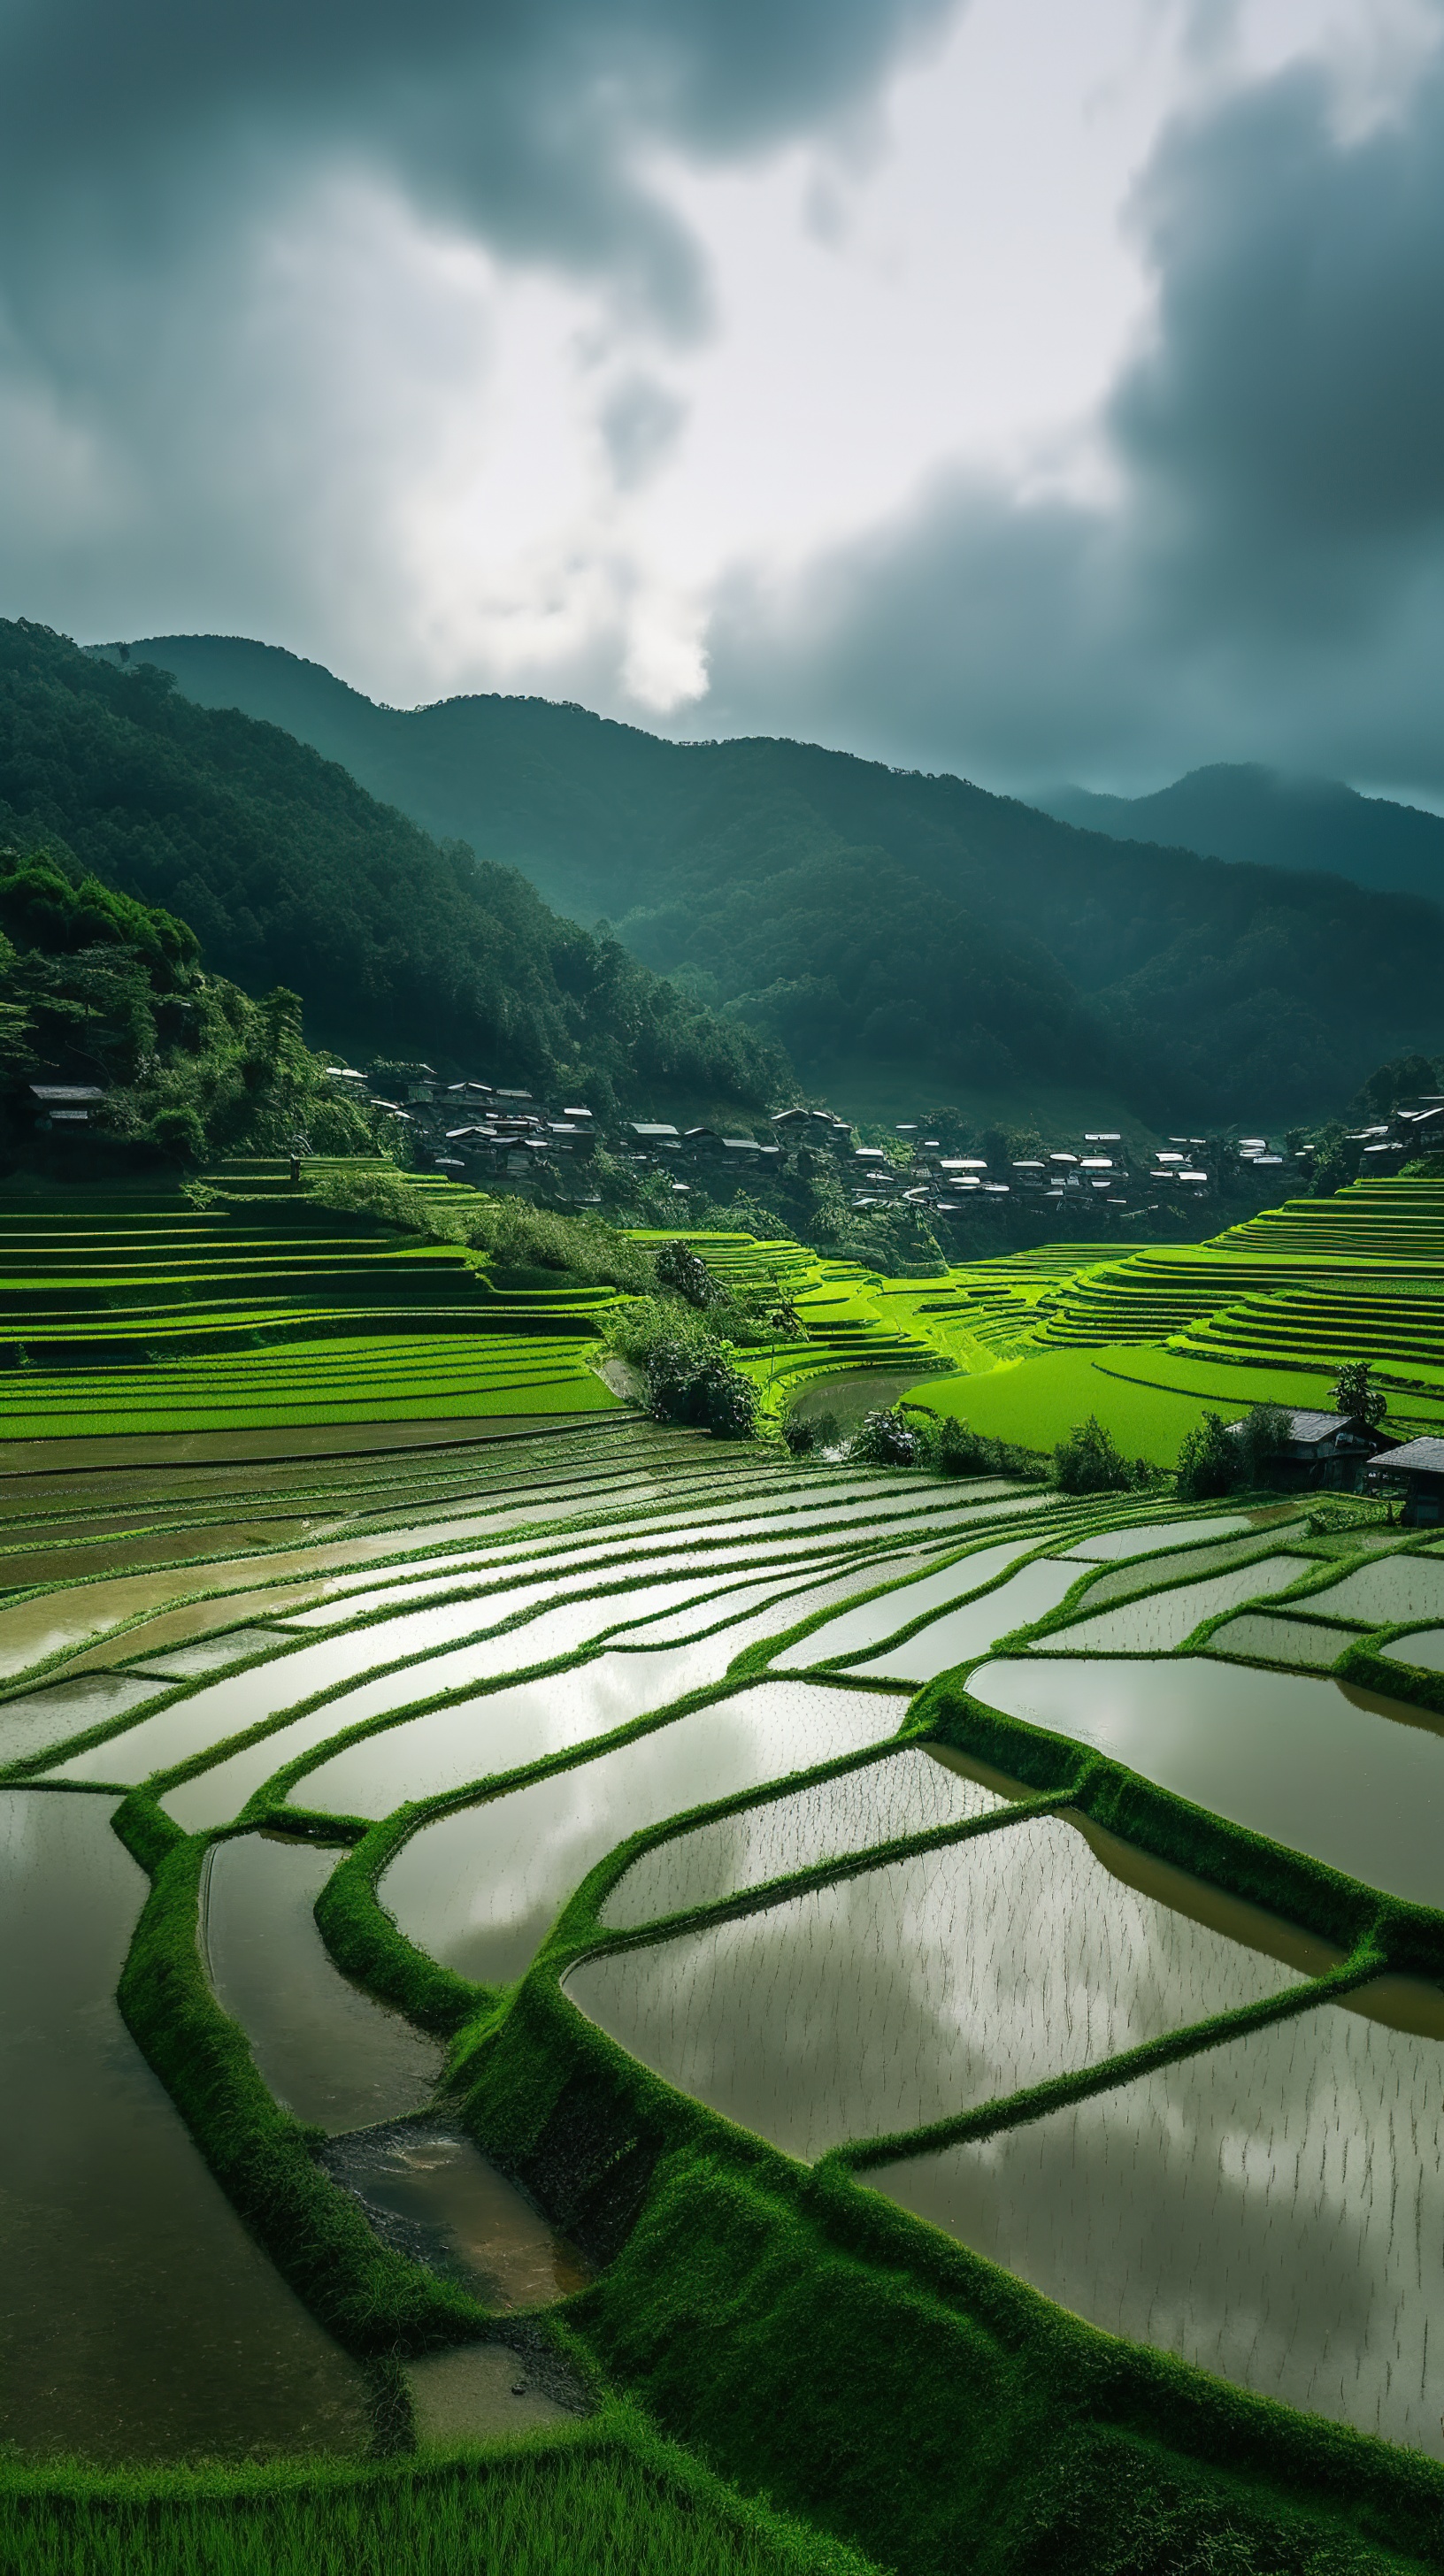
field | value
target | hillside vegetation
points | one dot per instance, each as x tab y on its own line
290	873
1241	810
854	911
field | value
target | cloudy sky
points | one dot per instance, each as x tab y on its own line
1037	388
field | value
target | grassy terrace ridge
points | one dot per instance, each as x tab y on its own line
837	2360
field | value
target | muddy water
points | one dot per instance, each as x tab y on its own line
905	1793
326	2050
481	1889
427	2191
1355	1780
138	2320
1272	2209
919	1989
480	2393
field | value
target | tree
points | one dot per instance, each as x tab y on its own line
1089	1461
679	1267
1208	1462
1355	1392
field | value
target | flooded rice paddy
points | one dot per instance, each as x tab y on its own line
918	1989
480	1889
327	2052
138	2318
1304	1760
1234	2206
1272	2209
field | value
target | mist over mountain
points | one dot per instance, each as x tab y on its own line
1241	810
862	914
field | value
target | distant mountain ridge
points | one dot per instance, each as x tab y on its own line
1242	810
856	912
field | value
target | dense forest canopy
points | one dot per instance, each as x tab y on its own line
851	909
289	872
103	993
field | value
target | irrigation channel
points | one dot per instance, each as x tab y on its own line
414	1854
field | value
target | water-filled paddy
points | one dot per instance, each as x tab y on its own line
1277	1639
480	1889
1124	1582
905	1793
138	2318
328	2052
1308	1761
1393	1587
1111	1544
1158	1621
1272	2209
915	1990
520	1723
67	1708
857	1631
1424	1649
959	1634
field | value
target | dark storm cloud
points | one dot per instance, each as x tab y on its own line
134	128
1268	580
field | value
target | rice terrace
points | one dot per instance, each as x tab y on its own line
609	1980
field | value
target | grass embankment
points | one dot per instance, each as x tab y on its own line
1264	1313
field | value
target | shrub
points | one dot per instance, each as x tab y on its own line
1257	1441
884	1439
805	1435
1208	1461
1089	1461
678	1266
703	1387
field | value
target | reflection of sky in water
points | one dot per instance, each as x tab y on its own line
1164	1619
962	1633
138	2318
918	1989
482	1888
1425	1650
1287	1754
326	2050
857	1630
1272	2209
909	1793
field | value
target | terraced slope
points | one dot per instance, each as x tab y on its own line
140	1312
1265	1312
771	1989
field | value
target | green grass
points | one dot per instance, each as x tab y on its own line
595	2501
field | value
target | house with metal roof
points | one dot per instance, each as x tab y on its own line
1418	1467
1325	1449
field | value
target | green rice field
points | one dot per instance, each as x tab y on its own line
586	1996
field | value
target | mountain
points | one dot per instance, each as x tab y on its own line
291	873
1243	811
863	914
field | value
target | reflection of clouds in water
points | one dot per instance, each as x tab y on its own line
907	1793
1273	2210
908	1993
481	1889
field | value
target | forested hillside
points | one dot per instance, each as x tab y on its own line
290	873
856	911
1239	810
